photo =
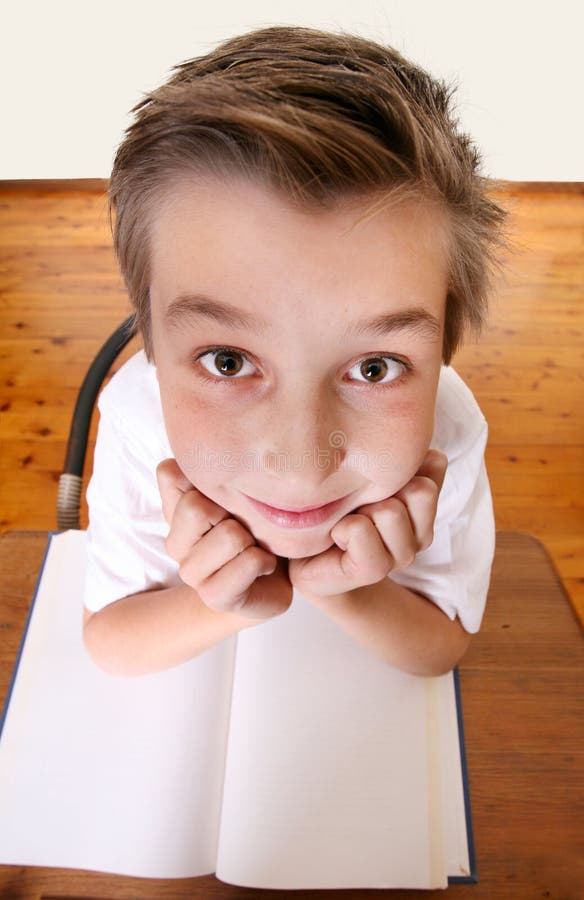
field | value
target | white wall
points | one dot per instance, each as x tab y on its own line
70	71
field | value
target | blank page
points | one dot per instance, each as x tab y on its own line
332	779
117	774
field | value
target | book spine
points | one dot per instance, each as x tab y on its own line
472	878
24	633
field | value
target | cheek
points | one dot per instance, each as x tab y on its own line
206	443
395	451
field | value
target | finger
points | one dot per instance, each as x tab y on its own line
358	558
172	484
194	515
393	522
366	556
434	467
242	586
222	543
420	499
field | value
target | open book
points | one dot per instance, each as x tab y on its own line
285	757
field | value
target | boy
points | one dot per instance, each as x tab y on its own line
304	236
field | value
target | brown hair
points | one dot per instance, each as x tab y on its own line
319	117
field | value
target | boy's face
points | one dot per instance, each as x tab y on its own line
298	354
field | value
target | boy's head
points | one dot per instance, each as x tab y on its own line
304	237
318	118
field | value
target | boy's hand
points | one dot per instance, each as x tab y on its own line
376	538
218	556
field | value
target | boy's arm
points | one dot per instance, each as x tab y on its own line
154	630
227	583
398	626
349	580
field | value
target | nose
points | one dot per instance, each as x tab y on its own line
305	441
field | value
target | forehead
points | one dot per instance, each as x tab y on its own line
241	241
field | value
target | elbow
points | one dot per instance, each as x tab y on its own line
98	644
432	668
448	654
435	668
93	641
447	646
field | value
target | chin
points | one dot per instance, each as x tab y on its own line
295	545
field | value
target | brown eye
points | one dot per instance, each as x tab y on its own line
377	369
373	369
228	363
225	362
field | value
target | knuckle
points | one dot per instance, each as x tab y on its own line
194	515
253	556
393	513
187	573
408	559
427	538
348	565
163	470
382	568
232	531
231	527
216	595
164	465
359	524
213	593
190	505
172	547
213	598
422	488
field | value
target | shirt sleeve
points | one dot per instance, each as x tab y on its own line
127	530
454	572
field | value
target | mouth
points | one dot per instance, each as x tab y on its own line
305	517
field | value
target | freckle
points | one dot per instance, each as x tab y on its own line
27	460
37	350
20	325
5	406
59	341
512	459
40	402
9	382
44	432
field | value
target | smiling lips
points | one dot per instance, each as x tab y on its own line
302	518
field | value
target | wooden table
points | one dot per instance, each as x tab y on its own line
522	693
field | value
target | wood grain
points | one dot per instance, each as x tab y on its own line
61	296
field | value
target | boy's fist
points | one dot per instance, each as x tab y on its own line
217	555
376	538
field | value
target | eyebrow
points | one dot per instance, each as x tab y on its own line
199	306
416	319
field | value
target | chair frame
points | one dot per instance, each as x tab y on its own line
71	478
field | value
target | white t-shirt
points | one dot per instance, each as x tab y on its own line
127	530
